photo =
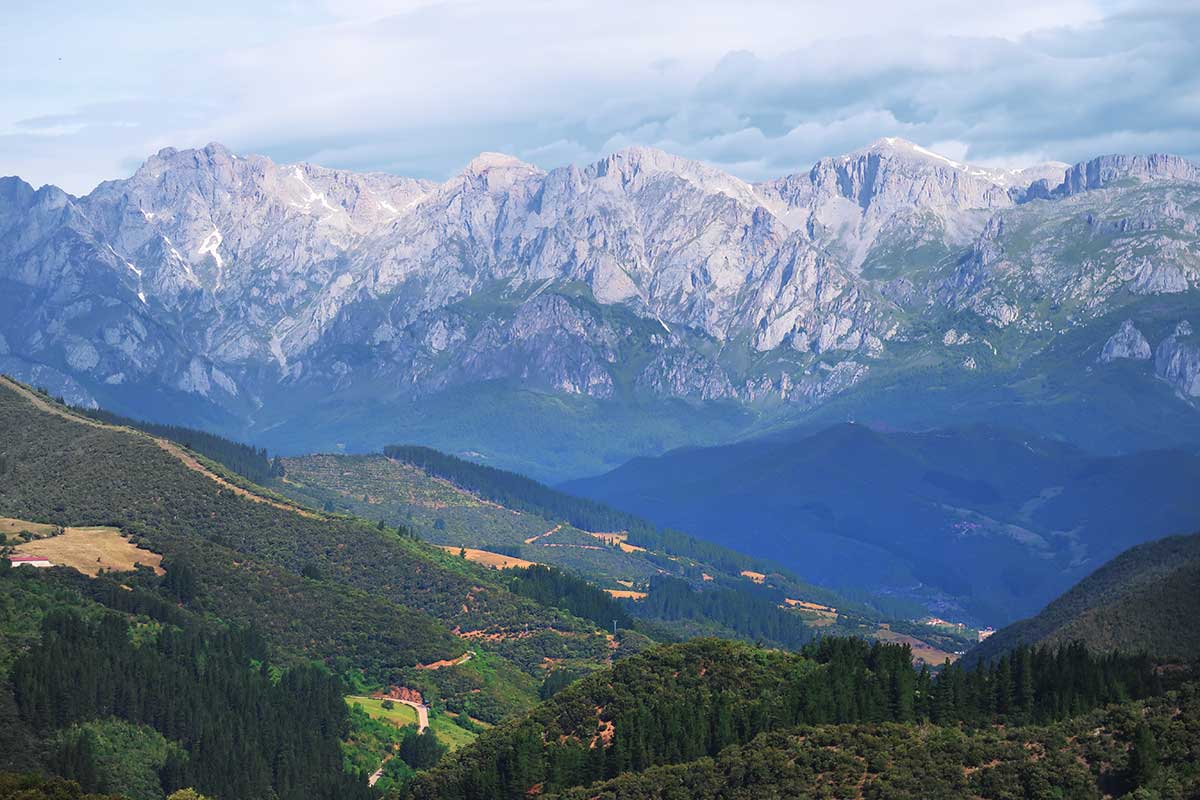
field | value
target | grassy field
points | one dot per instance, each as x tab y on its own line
91	549
449	733
488	558
444	728
10	528
399	714
922	651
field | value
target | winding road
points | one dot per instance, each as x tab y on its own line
422	725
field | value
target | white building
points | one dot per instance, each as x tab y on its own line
29	561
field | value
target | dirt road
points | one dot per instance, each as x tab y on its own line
422	714
550	532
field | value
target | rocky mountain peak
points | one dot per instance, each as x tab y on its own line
14	193
1103	171
895	147
488	161
1177	360
497	173
633	167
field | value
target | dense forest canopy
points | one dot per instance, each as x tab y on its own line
102	653
679	703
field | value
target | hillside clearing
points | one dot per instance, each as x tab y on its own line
922	651
818	614
10	528
488	558
550	532
90	550
400	714
449	733
451	662
627	594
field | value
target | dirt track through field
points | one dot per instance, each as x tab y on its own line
550	532
181	455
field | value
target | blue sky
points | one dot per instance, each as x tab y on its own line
758	88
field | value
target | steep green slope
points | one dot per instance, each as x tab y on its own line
358	596
249	462
1146	599
984	522
246	556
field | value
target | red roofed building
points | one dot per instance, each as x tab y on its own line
30	561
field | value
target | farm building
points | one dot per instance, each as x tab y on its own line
29	561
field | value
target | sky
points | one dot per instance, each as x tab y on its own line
756	87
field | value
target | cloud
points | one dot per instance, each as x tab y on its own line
760	88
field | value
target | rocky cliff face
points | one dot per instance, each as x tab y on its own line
1107	170
1177	360
896	190
1127	342
231	279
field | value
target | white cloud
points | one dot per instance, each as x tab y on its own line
758	87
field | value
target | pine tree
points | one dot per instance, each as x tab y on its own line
1143	757
1025	686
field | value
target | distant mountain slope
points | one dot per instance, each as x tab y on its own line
621	308
680	585
978	520
1146	599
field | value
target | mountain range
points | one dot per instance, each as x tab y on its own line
636	304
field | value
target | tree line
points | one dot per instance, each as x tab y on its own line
744	613
250	462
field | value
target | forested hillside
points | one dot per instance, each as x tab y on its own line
1146	749
684	704
126	692
525	494
206	622
250	462
1145	600
367	602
